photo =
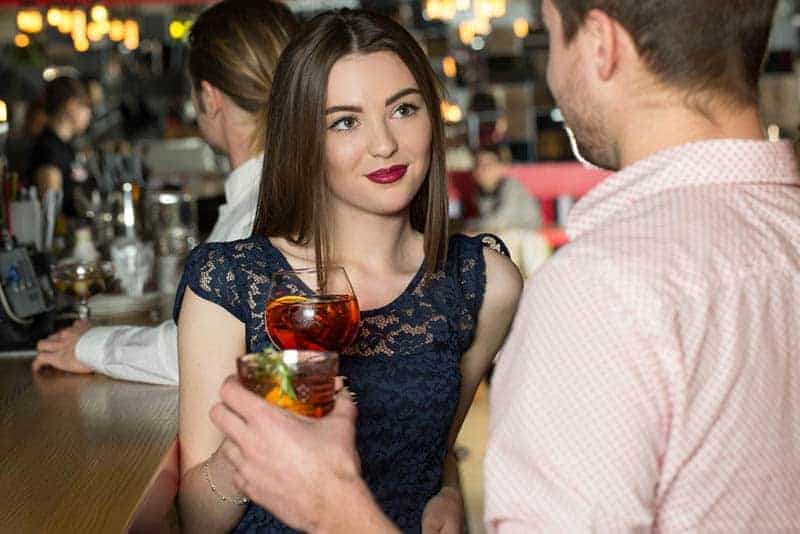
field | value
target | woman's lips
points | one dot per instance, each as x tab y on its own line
388	175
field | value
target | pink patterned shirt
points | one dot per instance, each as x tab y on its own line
651	380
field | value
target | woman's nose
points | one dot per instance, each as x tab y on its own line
382	142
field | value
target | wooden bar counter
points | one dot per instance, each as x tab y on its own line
84	453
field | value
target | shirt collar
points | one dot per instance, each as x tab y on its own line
243	180
728	161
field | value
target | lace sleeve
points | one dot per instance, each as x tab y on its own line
210	273
470	271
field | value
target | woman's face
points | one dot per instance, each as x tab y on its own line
378	134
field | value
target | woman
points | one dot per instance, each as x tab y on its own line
353	175
233	50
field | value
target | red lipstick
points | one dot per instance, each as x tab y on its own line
388	175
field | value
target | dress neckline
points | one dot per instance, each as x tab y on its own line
412	284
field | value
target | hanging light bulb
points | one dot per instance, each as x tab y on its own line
94	31
521	28
65	21
116	30
99	13
131	40
498	8
482	26
78	32
81	45
449	66
30	21
482	9
451	112
440	9
177	29
53	16
22	40
466	31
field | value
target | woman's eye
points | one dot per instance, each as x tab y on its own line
345	123
405	110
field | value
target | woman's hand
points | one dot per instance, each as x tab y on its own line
444	513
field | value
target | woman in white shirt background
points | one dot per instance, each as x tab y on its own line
233	49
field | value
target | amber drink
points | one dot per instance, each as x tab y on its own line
320	322
301	381
312	309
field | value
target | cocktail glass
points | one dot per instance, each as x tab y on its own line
301	381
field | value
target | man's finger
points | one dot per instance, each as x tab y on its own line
228	422
247	404
233	453
42	360
344	407
47	345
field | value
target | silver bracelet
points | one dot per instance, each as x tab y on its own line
240	501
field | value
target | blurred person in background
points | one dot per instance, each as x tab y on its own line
233	49
53	163
507	209
31	120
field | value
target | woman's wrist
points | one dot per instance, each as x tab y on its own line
218	473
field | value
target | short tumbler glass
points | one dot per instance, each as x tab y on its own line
311	375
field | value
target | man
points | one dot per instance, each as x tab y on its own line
652	379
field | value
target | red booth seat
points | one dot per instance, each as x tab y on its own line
544	181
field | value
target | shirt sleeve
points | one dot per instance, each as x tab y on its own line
579	406
139	354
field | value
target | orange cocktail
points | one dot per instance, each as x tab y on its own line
302	381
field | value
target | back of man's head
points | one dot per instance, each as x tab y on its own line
715	46
234	45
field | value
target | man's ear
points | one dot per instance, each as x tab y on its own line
604	40
210	99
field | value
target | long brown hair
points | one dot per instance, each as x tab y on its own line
234	45
292	199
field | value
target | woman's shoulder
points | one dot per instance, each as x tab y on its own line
238	249
488	259
463	245
232	259
223	272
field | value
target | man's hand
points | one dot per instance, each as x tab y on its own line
444	513
287	463
58	350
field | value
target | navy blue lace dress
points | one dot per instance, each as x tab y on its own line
403	366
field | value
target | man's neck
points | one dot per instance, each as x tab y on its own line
238	130
657	128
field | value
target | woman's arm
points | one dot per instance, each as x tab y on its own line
209	341
503	288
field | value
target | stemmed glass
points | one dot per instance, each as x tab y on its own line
311	309
82	280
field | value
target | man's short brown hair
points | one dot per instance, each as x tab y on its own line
696	45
